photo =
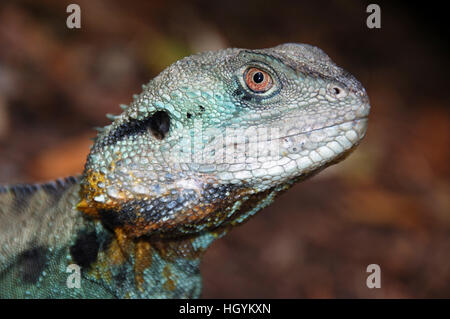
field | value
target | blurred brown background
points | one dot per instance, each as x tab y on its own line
387	204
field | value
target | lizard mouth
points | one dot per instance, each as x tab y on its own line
345	133
354	121
359	128
358	125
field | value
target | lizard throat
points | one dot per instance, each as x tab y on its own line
173	215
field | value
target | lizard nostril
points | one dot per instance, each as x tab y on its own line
337	91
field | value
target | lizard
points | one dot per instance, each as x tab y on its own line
210	141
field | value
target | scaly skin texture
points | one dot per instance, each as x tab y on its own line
205	146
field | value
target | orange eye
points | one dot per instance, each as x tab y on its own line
258	80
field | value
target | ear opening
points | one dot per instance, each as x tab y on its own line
159	124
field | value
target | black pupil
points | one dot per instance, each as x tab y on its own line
258	77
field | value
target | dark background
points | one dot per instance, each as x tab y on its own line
387	204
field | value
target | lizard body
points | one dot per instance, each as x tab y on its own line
209	142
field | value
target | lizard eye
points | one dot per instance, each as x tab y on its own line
257	80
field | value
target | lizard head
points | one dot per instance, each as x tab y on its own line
215	136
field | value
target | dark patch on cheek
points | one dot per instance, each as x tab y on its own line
84	251
130	128
158	124
31	264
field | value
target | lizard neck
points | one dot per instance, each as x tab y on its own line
162	266
146	267
156	265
